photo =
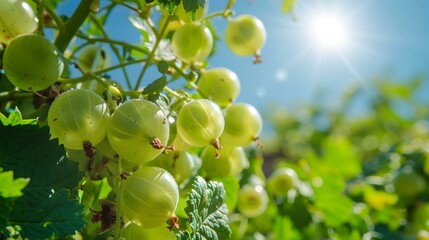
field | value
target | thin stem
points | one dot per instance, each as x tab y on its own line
40	11
138	11
99	72
117	234
143	13
113	47
230	4
10	95
152	53
120	66
73	24
108	40
58	21
187	76
90	76
172	92
215	14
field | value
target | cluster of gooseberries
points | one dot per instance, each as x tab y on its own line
147	152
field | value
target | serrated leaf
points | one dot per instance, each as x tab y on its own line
45	209
15	118
207	211
29	153
193	5
10	187
156	86
169	5
42	217
288	5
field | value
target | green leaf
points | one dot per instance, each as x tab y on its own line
5	209
156	86
29	153
193	5
288	5
284	229
207	212
340	155
338	158
45	209
43	217
162	67
10	187
329	193
95	190
231	189
181	205
169	5
15	118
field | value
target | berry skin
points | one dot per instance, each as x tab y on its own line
200	122
31	62
138	130
149	197
245	35
220	85
78	116
192	42
252	200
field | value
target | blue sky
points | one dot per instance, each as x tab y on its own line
385	37
388	37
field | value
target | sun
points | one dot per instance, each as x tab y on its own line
329	31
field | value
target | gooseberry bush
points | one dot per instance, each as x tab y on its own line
85	154
102	138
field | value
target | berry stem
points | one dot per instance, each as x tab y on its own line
58	21
172	92
112	41
117	184
11	95
188	76
40	11
87	77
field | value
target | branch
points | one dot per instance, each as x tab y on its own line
73	25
